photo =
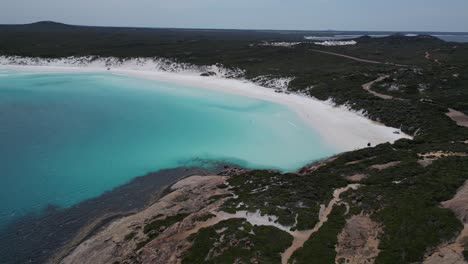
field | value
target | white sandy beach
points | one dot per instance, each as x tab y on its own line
344	129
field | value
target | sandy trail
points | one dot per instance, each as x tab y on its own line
300	237
355	58
428	56
368	86
255	218
346	56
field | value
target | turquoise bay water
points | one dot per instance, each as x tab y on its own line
67	137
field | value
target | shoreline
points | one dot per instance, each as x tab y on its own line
340	127
65	228
91	229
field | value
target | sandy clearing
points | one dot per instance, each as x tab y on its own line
385	166
460	118
356	177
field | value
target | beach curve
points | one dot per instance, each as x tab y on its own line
339	126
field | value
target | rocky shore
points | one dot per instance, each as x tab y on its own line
55	232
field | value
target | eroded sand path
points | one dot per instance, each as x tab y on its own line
355	58
347	56
367	87
300	237
428	56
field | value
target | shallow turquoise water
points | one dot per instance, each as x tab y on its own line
66	137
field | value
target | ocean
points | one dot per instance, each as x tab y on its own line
449	37
69	137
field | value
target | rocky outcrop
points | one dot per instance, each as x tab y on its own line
126	240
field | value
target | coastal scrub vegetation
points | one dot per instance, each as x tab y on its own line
294	199
406	200
237	241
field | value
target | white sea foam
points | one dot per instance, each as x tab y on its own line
345	129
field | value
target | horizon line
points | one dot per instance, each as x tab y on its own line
238	29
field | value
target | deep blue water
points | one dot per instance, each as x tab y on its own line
450	37
67	137
453	38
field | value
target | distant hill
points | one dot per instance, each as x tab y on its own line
47	24
41	26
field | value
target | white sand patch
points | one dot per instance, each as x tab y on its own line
256	218
340	127
460	118
105	63
318	37
280	44
269	82
336	43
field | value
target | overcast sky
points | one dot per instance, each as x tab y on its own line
392	15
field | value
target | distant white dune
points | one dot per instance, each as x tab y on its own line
336	43
318	38
280	44
345	129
